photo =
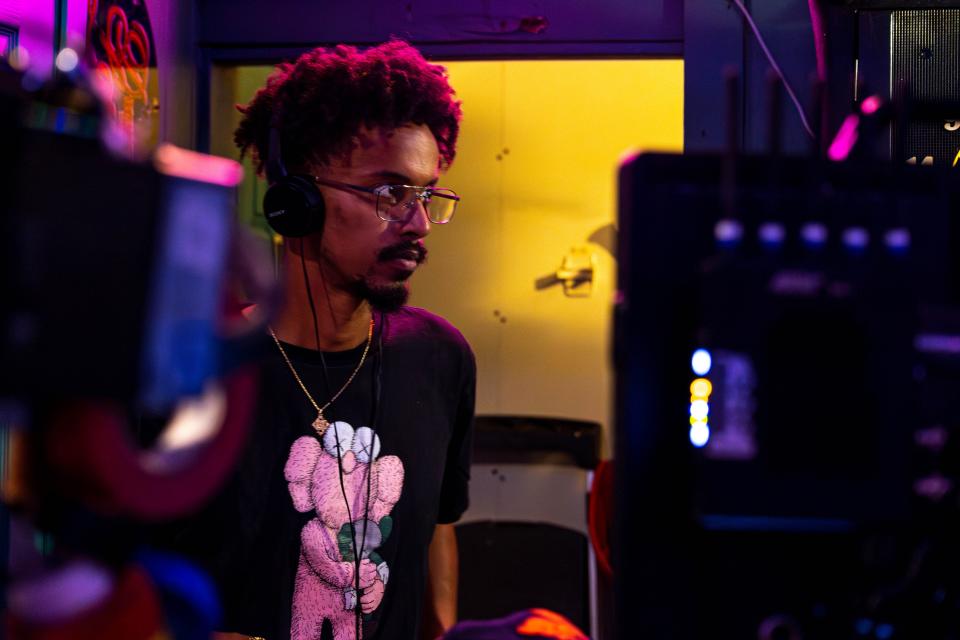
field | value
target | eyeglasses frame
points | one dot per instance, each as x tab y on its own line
421	195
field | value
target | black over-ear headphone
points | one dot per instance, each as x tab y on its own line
293	205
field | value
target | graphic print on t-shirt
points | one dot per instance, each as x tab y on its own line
325	586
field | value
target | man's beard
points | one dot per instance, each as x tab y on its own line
390	295
386	296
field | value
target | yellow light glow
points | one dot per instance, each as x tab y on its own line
696	420
701	389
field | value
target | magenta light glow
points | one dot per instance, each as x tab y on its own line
871	105
846	137
37	26
183	163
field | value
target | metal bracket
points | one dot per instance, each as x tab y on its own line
576	274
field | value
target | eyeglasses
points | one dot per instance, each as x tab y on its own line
397	202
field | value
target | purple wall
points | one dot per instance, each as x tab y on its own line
173	33
469	28
35	21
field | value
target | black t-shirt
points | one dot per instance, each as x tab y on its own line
279	540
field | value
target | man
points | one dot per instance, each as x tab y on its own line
339	521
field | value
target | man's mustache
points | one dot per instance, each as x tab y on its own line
403	251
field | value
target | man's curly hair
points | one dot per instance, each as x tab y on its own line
328	95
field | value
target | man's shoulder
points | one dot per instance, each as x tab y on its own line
414	321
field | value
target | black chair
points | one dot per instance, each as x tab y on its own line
523	541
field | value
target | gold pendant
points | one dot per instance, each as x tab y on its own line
320	424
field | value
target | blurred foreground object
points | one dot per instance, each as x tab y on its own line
531	623
787	356
121	285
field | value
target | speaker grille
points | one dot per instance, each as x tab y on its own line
925	65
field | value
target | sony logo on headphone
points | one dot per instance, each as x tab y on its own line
274	214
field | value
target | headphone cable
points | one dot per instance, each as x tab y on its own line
336	435
373	439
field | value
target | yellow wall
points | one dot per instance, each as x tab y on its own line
230	86
536	168
537	172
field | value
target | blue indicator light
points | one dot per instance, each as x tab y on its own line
728	232
699	434
771	234
897	240
701	362
699	409
814	235
856	238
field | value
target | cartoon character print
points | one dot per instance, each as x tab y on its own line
325	583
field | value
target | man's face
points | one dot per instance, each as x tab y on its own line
360	252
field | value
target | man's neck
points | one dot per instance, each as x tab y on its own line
342	319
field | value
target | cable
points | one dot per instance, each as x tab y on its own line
313	310
275	153
336	436
377	379
775	66
819	38
353	531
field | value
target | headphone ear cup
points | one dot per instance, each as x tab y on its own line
294	207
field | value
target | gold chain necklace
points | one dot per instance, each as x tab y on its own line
320	424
